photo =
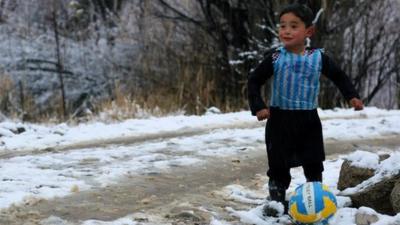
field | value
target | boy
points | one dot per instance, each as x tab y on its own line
293	133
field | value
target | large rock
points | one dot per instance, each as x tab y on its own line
377	196
351	176
395	197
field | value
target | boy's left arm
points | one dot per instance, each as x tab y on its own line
342	81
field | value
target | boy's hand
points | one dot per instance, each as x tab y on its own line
262	114
357	104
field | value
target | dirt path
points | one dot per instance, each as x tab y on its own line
170	195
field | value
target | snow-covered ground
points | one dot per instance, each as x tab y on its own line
344	215
47	175
371	122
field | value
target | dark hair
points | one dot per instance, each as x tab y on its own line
301	11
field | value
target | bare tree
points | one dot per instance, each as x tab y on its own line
366	44
59	64
238	30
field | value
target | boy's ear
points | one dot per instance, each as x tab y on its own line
310	31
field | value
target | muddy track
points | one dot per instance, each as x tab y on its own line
163	194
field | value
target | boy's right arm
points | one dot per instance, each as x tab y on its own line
256	80
262	114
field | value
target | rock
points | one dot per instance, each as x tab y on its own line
52	220
83	107
395	197
146	201
188	216
17	130
377	196
351	176
213	110
20	130
75	188
383	157
32	201
365	218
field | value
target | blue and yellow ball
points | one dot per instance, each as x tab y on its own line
312	203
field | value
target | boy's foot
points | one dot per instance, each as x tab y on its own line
276	203
275	209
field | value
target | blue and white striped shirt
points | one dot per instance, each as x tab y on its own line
295	83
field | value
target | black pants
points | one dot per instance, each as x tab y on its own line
281	175
294	138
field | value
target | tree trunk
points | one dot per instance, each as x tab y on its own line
59	63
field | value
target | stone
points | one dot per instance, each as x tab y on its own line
188	216
351	176
363	218
395	197
383	157
377	196
52	220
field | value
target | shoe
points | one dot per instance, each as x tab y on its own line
275	209
277	194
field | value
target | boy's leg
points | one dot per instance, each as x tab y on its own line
313	171
279	175
279	180
277	192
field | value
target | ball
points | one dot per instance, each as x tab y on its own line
312	203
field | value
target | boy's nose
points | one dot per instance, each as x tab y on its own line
287	31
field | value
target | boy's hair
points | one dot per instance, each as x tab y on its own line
301	11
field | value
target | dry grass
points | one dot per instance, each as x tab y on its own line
6	85
126	107
6	88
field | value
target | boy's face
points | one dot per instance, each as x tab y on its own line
293	32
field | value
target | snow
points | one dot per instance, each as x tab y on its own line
22	177
123	221
371	122
347	216
363	159
218	222
39	136
238	193
56	174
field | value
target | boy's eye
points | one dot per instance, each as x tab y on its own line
294	26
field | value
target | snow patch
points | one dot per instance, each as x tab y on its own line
364	159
